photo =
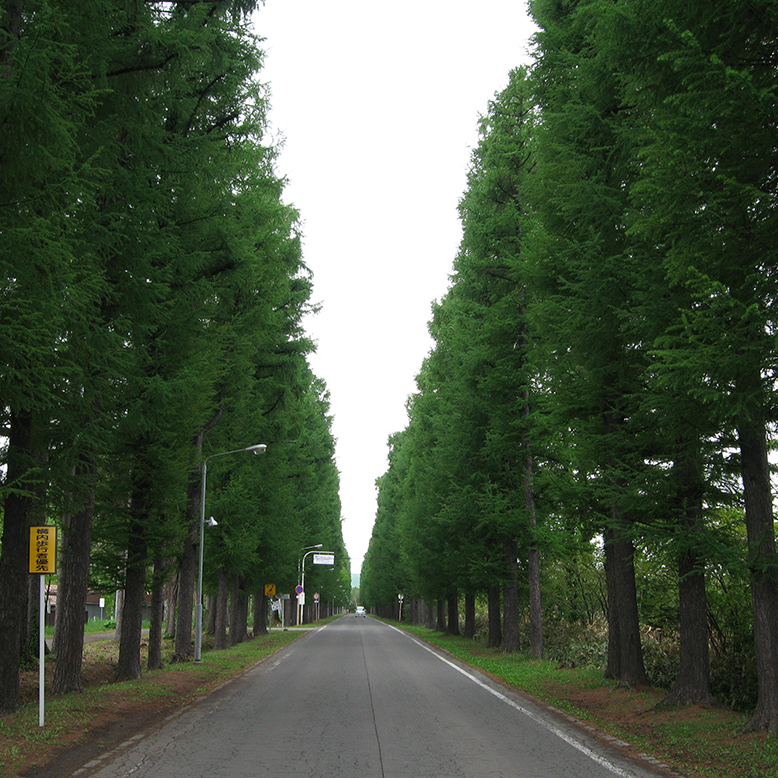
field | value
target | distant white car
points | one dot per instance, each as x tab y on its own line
360	611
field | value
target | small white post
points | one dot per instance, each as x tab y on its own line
41	649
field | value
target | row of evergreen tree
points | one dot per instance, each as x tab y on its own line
150	316
603	374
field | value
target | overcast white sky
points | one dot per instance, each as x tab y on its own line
378	106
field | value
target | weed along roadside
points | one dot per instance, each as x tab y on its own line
80	727
697	741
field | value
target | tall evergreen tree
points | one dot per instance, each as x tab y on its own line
586	163
708	194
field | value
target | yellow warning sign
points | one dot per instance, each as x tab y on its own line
43	550
270	590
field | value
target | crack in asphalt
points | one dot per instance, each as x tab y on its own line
372	706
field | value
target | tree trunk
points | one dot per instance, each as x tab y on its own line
440	625
30	629
118	609
14	557
430	618
760	531
260	612
210	612
73	582
470	615
184	648
453	613
533	554
238	611
37	517
510	599
495	617
623	610
222	597
692	684
171	595
186	577
155	617
613	663
129	666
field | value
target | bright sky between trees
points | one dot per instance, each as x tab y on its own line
378	106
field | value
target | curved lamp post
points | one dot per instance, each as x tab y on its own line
198	647
301	578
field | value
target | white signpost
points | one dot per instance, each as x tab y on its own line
43	562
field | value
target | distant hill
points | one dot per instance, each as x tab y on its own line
355	580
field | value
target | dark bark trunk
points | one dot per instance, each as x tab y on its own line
13	560
533	554
118	611
622	607
453	613
536	644
470	615
495	617
692	684
155	616
510	599
260	612
222	597
625	653
184	647
762	560
210	614
30	628
129	665
431	614
440	624
238	611
613	663
73	582
171	595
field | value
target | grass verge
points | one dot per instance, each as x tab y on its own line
700	742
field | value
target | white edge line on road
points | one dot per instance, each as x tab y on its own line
584	749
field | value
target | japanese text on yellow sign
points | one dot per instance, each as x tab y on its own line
43	550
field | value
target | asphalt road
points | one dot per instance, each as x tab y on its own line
360	699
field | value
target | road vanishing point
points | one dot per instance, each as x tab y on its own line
358	698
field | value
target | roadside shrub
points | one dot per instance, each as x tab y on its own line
732	673
661	652
576	644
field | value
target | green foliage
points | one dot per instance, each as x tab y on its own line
154	290
611	313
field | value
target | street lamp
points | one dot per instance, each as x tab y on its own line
258	449
302	576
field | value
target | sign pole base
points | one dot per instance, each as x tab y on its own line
41	649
